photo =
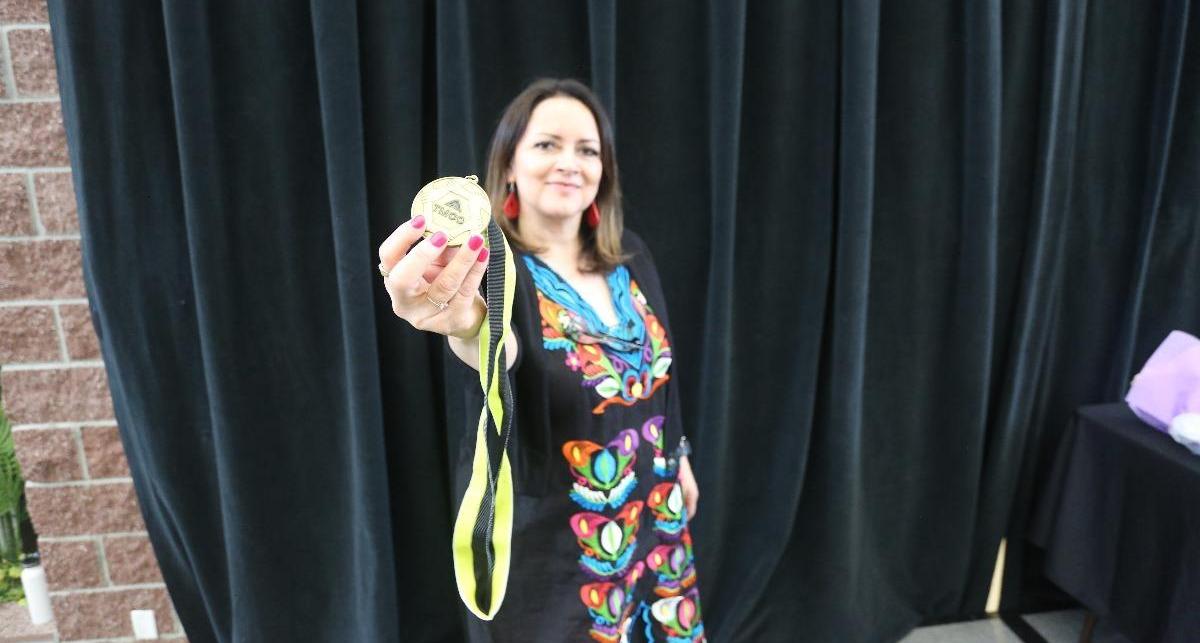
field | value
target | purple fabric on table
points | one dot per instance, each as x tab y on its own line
1169	383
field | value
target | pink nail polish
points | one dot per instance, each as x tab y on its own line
418	221
474	242
438	240
483	255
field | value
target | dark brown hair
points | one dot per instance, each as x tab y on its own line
601	246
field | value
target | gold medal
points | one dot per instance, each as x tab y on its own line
454	205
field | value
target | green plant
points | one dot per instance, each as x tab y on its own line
12	487
10	583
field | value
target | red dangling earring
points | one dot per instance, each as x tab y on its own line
593	215
512	207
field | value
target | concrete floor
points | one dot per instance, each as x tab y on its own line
1052	627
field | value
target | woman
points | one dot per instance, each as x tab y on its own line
597	440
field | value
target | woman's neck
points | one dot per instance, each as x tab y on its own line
557	239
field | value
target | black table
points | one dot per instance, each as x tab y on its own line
1120	522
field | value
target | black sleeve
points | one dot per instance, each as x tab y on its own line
531	450
645	272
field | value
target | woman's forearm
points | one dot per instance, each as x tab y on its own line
466	349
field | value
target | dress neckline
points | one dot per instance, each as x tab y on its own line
625	318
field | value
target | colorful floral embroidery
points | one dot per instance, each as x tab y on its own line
604	479
666	503
611	605
623	363
607	544
673	564
679	617
652	431
603	475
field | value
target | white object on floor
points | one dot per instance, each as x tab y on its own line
1185	428
144	625
37	593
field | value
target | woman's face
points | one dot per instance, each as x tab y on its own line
556	165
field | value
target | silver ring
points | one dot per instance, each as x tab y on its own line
441	305
383	271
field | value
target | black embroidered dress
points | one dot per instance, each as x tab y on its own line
601	548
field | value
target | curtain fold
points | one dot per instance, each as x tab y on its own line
900	245
1043	188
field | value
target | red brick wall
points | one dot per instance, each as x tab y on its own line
91	536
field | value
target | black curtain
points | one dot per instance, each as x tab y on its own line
900	242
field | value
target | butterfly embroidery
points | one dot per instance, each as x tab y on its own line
608	543
666	503
673	564
680	617
611	604
604	476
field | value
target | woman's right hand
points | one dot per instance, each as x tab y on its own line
422	276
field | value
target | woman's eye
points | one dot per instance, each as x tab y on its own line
591	151
543	145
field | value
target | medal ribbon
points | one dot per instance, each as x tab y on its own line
482	541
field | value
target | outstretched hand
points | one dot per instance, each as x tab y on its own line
434	287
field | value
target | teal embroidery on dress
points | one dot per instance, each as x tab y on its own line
622	363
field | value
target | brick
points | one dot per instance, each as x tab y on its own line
104	452
33	135
131	560
25	11
80	510
15	217
56	395
48	455
56	202
71	564
28	334
82	342
41	269
32	56
106	614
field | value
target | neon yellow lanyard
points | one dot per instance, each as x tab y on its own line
482	542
